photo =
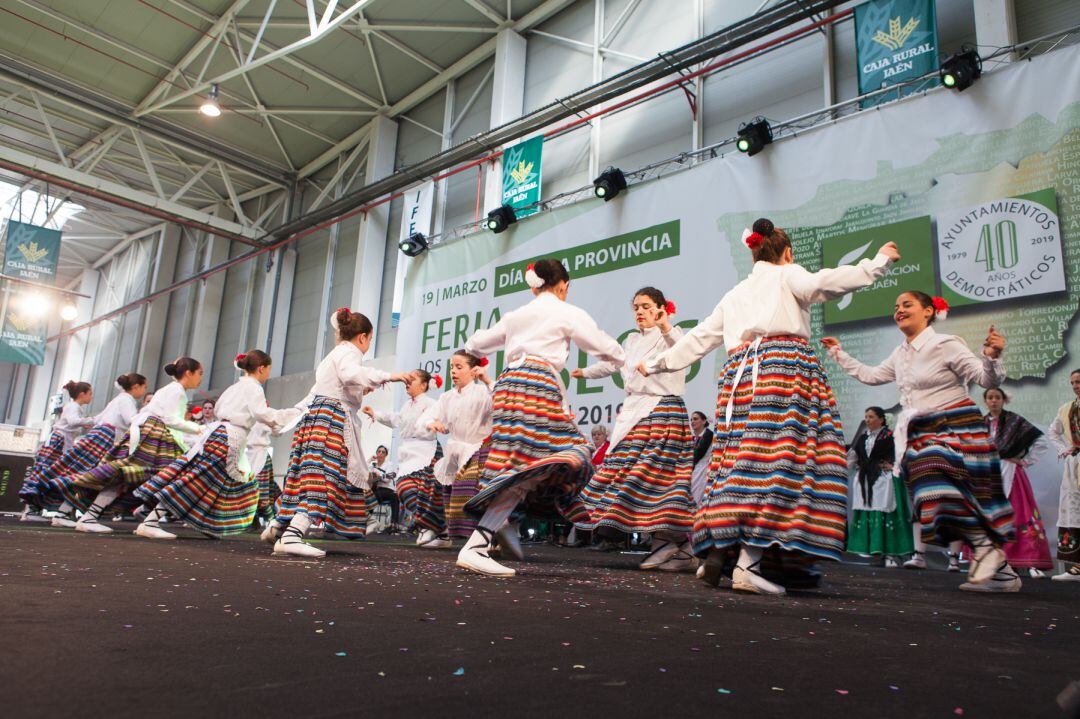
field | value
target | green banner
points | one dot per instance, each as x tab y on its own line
31	252
615	253
896	40
915	269
22	337
521	175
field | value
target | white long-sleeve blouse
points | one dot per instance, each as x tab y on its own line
466	413
417	446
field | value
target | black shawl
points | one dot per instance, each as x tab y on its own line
703	445
1014	435
869	465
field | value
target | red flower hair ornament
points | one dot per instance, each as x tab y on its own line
941	308
483	361
669	307
752	239
438	382
532	279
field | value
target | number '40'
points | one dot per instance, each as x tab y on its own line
998	248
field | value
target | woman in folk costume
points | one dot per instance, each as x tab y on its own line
464	413
881	511
212	488
944	451
158	435
91	449
643	484
779	474
1065	437
416	485
537	452
65	431
703	440
328	473
1020	444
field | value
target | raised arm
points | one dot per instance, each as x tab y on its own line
489	341
830	283
867	374
593	340
698	342
981	370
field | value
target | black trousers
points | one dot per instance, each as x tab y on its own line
385	495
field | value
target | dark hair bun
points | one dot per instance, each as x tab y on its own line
763	227
170	369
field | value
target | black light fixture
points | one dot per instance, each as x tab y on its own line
210	106
754	136
500	218
413	245
960	71
610	183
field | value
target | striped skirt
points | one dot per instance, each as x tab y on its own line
466	484
644	483
424	497
157	449
87	452
778	475
316	482
952	469
48	455
533	438
200	491
268	489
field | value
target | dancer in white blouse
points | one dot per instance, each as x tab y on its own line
1065	437
779	470
464	413
534	442
328	474
67	428
416	486
944	450
157	436
110	429
213	488
643	484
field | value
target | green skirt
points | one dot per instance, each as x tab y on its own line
887	533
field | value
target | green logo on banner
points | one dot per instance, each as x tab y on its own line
615	253
521	175
915	269
896	41
31	252
22	339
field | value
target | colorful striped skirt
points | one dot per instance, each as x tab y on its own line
778	475
424	497
533	438
461	525
883	533
952	469
268	489
87	452
644	483
157	449
200	491
48	455
316	482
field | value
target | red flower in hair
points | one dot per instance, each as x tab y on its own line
483	361
940	304
754	240
339	310
438	382
240	358
530	267
196	411
669	307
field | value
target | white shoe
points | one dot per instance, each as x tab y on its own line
509	538
474	557
92	527
1004	581
425	536
1072	574
437	542
681	561
298	549
916	562
891	563
664	551
32	515
1036	573
985	563
64	522
700	571
151	532
271	533
747	579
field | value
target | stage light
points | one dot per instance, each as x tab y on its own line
610	183
413	245
961	70
69	312
500	218
754	136
210	106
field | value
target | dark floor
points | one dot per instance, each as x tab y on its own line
120	626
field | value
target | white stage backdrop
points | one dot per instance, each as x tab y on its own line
979	189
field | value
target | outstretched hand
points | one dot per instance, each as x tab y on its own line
369	412
994	344
890	250
577	373
831	343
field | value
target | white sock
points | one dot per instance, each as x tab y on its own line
297	528
154	517
955	548
66	508
104	499
749	556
